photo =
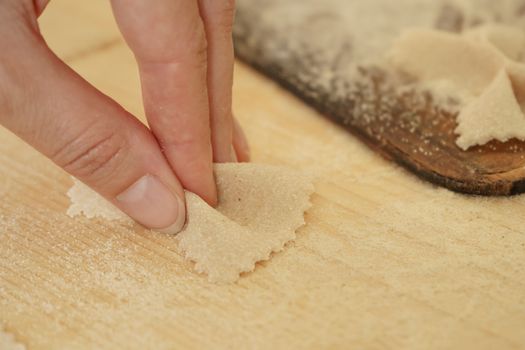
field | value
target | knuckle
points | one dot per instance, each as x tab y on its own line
182	141
94	159
197	47
191	49
17	16
13	8
196	51
200	56
222	18
230	4
185	143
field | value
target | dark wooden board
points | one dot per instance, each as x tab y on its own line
409	128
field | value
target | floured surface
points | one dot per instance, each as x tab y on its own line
260	207
86	202
385	261
8	341
484	68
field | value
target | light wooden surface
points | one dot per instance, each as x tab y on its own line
385	261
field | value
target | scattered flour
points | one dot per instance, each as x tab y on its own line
86	202
8	341
260	208
341	35
486	69
323	47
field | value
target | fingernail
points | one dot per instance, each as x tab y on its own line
152	204
178	225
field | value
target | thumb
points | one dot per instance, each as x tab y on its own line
86	133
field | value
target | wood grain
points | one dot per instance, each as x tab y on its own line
385	261
410	127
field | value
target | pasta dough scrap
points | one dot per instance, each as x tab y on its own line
84	201
486	68
483	119
436	55
260	208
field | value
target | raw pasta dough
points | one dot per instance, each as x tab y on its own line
260	208
484	66
84	201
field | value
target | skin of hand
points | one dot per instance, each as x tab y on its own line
184	53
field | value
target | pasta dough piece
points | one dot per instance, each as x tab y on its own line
260	208
86	202
486	118
436	55
484	66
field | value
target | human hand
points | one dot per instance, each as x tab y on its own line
184	52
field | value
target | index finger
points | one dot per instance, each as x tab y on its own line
169	43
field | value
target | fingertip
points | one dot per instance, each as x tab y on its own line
240	143
150	202
179	224
212	197
243	154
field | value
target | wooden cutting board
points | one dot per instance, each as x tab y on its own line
385	261
307	47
